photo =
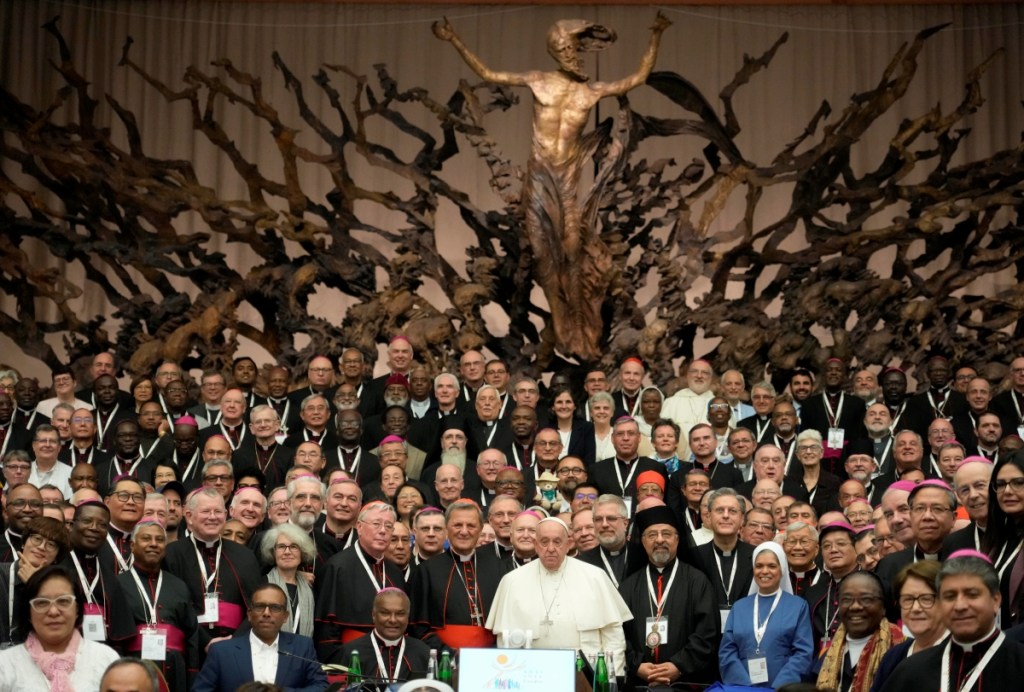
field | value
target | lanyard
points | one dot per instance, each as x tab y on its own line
636	405
131	467
101	427
885	452
32	417
975	673
125	566
833	416
148	605
88	588
207	580
519	464
938	408
759	630
369	572
494	429
188	469
10	600
14	551
608	565
762	427
896	418
231	443
355	461
1016	405
721	575
629	476
504	402
658	602
381	668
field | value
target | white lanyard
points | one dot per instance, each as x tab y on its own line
14	551
143	592
759	630
28	423
938	409
369	572
658	604
214	419
10	601
227	436
382	670
125	566
504	402
608	565
7	441
101	427
885	452
976	672
494	429
721	575
689	520
1016	405
762	427
87	588
207	580
88	459
131	467
789	455
191	464
626	407
1009	560
896	418
519	464
629	476
833	416
355	462
283	415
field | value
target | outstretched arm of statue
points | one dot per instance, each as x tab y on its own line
661	22
444	31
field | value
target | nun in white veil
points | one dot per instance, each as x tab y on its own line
767	641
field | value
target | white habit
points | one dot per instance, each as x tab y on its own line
585	610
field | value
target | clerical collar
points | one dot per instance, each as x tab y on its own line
118	529
724	553
464	558
209	545
801	575
627	462
268	446
387	642
983	642
377	560
614	553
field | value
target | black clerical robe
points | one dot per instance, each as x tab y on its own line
728	587
345	599
105	590
237	576
273	462
922	671
174	609
10	546
413	663
618	565
445	590
139	468
692	620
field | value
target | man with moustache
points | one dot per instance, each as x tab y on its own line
24	503
689	406
860	466
520	452
613	555
865	386
903	415
159	601
453	591
571	471
801	387
221	575
306	502
703	446
388	653
940	400
352	577
673	635
108	411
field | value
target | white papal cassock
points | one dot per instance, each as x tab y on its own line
574	607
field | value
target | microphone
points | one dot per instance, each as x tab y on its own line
328	667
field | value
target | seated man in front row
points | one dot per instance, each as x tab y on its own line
386	653
266	655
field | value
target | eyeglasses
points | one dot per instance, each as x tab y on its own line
934	509
799	542
274	608
41	542
18	468
808	448
43	605
571	471
282	548
125	496
548	443
218	478
586	496
379	526
278	503
1017	484
764	526
511	483
866	601
925	600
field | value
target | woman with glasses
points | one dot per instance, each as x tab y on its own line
852	658
408	499
46	542
1003	534
602	407
920	612
53	656
767	640
577	434
288	548
822	486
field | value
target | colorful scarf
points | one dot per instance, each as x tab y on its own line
56	667
831	675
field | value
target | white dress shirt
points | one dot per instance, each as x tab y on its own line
264	659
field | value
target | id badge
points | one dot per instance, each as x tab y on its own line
93	628
836	437
657	632
723	612
628	499
211	610
154	644
757	668
1020	430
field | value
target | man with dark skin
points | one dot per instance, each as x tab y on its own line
127	460
785	423
904	416
175	400
349	454
108	410
832	411
150	420
26	398
523	422
510	482
24	503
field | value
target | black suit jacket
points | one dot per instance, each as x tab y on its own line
744	557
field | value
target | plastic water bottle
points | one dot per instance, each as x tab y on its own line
432	665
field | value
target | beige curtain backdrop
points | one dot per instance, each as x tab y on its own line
832	53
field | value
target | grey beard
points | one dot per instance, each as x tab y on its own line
456	457
403	402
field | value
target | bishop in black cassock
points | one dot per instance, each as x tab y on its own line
680	599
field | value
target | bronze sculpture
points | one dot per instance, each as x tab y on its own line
571	262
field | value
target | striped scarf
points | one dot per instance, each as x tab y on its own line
831	675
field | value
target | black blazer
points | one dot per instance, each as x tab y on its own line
744	572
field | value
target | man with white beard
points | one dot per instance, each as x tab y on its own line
689	406
865	386
306	502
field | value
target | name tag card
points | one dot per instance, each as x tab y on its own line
211	610
758	670
154	644
93	627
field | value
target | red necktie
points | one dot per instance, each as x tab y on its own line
661	578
